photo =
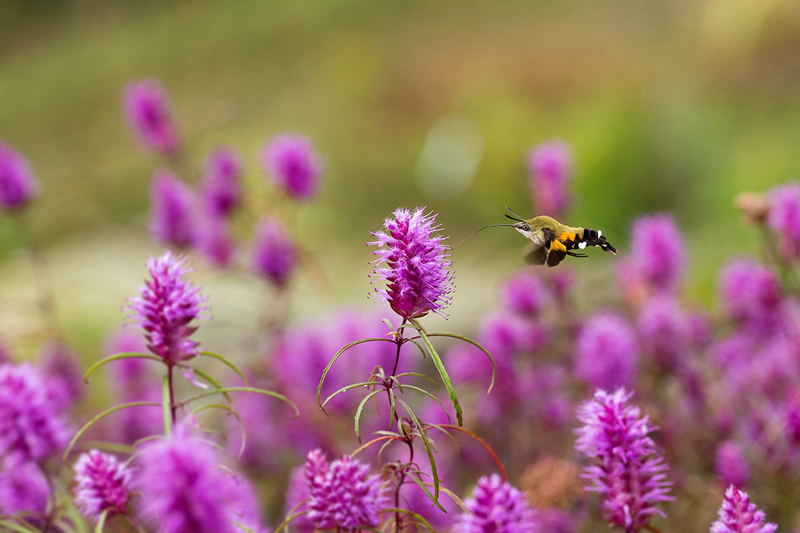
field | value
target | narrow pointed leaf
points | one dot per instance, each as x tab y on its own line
254	390
227	362
472	342
428	449
117	357
337	355
360	408
437	361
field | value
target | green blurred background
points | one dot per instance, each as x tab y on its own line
668	106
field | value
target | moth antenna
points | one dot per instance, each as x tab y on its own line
518	219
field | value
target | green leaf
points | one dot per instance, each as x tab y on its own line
404	374
361	407
105	413
429	395
472	342
227	362
423	487
166	407
421	349
336	356
391	403
213	382
412	513
353	386
117	357
288	519
428	449
437	361
16	527
255	390
101	522
232	411
388	323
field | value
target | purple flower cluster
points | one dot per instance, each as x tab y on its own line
550	168
23	488
31	426
738	515
607	352
274	254
293	164
658	259
784	218
102	484
631	475
17	185
416	273
172	221
496	507
221	188
731	464
342	493
166	307
664	330
149	115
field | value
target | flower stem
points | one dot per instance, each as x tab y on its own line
172	405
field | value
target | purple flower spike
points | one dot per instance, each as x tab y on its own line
664	330
172	218
274	254
221	188
17	185
343	494
631	475
659	254
496	507
102	484
214	241
759	307
293	165
23	488
738	515
166	308
525	294
416	272
731	465
183	489
784	218
550	169
607	352
63	368
31	428
148	113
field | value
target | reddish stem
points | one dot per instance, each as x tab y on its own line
480	440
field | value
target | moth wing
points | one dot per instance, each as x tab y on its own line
535	254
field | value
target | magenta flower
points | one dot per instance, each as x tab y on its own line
759	307
416	272
274	254
784	218
550	168
61	365
496	507
293	165
524	294
297	493
630	474
172	218
607	352
148	113
17	184
102	484
183	489
342	493
731	465
221	189
214	241
31	428
23	488
166	307
738	515
664	330
658	260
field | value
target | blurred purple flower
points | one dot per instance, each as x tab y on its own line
550	169
31	428
631	474
554	521
243	502
274	253
148	113
731	464
751	294
265	434
297	492
23	488
738	515
102	484
416	272
562	281
221	189
525	294
606	355
496	507
214	241
658	260
17	184
664	331
342	493
784	218
172	220
183	486
293	164
61	365
166	307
